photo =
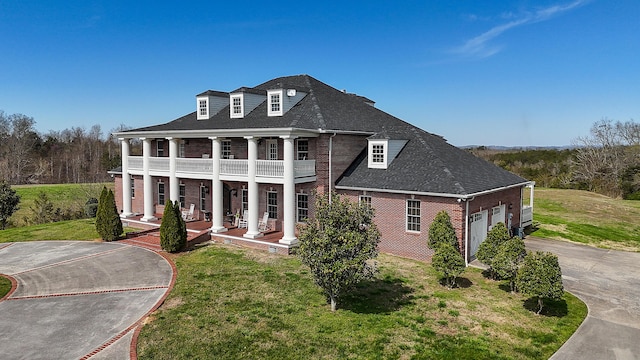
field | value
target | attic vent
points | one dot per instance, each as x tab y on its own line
291	92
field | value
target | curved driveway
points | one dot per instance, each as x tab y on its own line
77	299
608	282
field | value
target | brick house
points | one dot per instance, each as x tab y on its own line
266	149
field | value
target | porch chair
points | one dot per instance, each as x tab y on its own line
242	223
188	215
263	225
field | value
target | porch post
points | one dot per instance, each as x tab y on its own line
126	179
289	189
174	185
149	210
217	216
531	186
252	189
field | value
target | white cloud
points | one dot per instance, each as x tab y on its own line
481	47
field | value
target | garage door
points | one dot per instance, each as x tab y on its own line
498	215
478	230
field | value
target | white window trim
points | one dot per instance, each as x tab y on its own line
362	197
268	143
269	205
181	148
159	149
298	208
182	199
406	219
269	103
385	154
203	197
306	152
164	193
233	114
244	204
225	148
206	108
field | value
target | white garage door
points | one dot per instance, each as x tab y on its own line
477	230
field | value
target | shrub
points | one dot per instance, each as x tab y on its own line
509	259
442	231
448	262
9	201
91	208
173	230
489	247
541	277
108	223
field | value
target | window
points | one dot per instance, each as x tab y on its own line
203	198
236	106
303	149
226	149
365	199
133	187
181	149
160	148
272	149
182	195
303	207
377	153
202	106
272	204
160	193
245	200
274	103
413	215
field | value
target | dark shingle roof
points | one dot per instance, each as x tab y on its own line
427	163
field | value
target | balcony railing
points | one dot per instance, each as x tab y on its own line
527	216
229	167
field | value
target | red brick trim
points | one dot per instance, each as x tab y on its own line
14	286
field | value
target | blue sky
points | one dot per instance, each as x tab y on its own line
515	73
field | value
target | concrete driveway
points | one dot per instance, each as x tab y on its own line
608	282
78	299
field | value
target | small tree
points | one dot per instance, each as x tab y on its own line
108	223
489	247
9	201
449	262
337	244
541	277
42	210
509	259
173	231
441	231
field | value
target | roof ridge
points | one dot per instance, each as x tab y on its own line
322	124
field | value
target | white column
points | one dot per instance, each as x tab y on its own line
289	197
252	189
217	212
149	209
531	186
126	179
174	184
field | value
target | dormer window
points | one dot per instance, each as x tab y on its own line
203	109
274	106
378	154
236	106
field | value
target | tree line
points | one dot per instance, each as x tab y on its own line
606	161
74	155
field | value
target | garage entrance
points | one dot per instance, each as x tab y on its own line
477	231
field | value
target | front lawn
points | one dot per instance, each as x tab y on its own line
231	303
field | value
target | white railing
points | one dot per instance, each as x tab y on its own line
234	167
231	167
194	165
527	216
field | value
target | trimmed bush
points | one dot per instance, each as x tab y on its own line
541	277
91	208
173	230
489	247
448	262
108	223
509	259
442	231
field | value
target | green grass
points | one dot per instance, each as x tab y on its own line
5	286
84	229
231	303
64	196
587	218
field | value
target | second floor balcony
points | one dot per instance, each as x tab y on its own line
267	171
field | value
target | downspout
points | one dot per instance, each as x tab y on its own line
467	257
330	175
